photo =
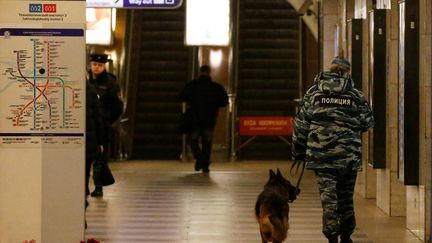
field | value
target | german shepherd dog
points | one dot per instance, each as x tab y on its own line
272	209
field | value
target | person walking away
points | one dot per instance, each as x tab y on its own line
327	135
109	101
204	97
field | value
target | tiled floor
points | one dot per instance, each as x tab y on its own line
160	201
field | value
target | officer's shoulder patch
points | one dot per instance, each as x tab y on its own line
335	101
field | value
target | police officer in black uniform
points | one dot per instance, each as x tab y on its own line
95	135
109	102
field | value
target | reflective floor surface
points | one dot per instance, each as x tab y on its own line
166	201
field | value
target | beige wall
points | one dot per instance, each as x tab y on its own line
366	182
424	190
392	196
329	20
418	199
41	184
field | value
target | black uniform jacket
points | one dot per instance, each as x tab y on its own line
95	134
108	90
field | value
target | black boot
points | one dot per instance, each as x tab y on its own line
205	167
332	239
198	165
98	192
346	239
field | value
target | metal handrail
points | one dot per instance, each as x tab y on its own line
232	121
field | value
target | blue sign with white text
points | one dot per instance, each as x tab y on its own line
35	8
152	3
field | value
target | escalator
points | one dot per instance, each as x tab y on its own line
159	63
268	70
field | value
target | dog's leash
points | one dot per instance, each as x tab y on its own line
296	165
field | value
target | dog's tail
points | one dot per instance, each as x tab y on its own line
273	228
266	228
279	226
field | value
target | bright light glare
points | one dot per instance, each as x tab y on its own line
90	14
98	28
114	19
383	4
360	9
215	58
113	56
207	22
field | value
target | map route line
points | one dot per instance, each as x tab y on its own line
47	80
45	87
34	86
41	92
42	85
21	112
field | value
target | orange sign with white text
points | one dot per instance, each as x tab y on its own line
266	126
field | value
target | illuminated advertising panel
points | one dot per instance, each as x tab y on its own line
207	22
98	26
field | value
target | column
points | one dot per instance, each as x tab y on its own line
42	121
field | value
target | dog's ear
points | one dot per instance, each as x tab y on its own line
279	174
272	174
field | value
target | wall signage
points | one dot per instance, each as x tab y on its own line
42	93
266	126
158	4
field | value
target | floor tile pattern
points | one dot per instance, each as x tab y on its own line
183	206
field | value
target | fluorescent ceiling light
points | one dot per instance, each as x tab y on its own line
208	22
98	28
360	11
383	4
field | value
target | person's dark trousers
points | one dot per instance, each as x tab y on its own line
200	142
89	162
336	188
103	157
332	238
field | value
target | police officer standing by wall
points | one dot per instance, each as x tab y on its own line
109	101
327	135
95	135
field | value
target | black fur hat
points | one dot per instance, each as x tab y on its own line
99	57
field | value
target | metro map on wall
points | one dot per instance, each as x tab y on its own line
41	94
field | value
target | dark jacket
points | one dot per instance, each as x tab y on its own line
204	97
328	126
107	88
95	134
